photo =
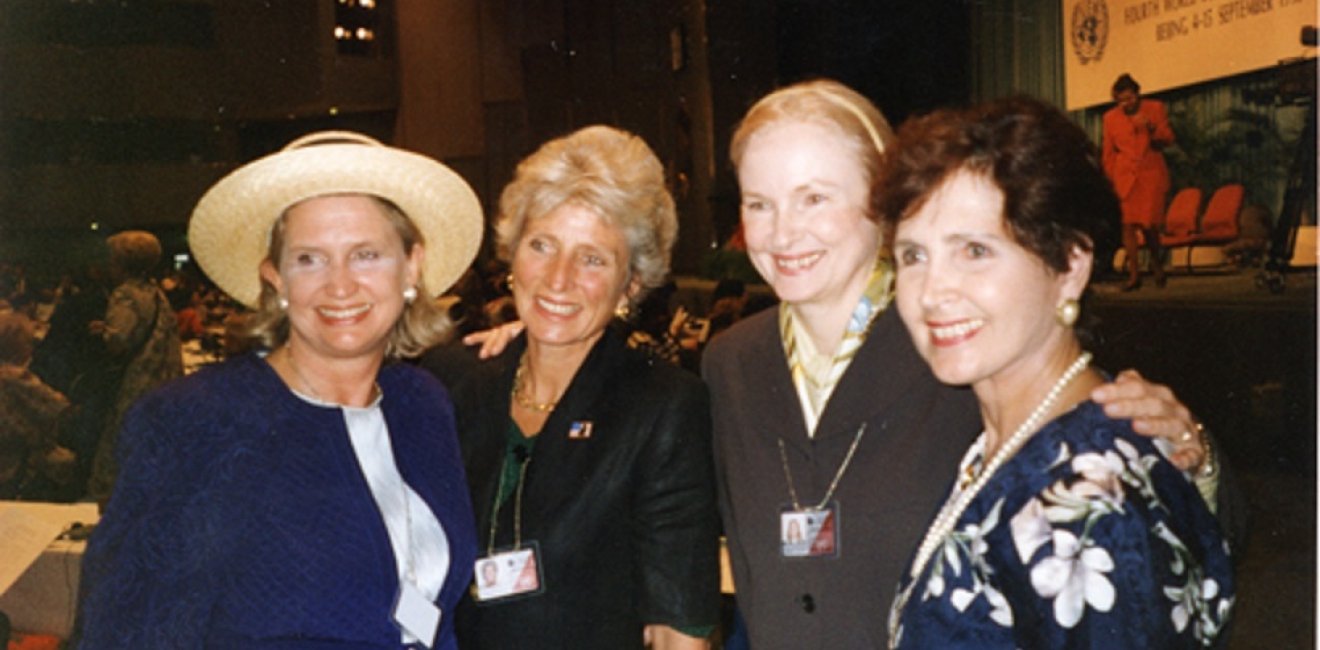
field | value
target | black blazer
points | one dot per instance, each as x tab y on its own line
625	519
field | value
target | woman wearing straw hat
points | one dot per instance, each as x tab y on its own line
590	467
310	495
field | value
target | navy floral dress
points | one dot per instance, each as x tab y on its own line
1087	538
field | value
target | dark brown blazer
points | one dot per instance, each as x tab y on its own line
625	519
916	432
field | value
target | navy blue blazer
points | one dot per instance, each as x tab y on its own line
241	518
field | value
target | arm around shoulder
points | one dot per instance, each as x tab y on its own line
675	517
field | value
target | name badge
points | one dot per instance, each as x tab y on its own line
508	574
417	616
809	533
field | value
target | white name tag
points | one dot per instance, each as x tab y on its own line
508	574
416	615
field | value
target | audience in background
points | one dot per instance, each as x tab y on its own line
32	464
142	338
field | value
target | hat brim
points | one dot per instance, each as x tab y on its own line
229	231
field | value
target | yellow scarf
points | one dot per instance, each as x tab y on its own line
815	374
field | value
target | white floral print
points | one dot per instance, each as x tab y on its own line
1075	578
1066	553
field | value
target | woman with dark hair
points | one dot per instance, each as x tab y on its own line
1064	528
1136	130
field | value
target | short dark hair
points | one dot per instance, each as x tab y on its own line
1125	82
1056	194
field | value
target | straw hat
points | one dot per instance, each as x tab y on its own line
229	232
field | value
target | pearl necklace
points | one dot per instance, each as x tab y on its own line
520	398
960	499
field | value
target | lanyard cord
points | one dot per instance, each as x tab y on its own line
838	475
408	571
517	505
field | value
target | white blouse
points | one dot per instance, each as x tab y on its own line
421	550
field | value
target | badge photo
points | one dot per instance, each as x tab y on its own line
809	533
513	573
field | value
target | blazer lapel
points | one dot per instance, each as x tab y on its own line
561	465
768	374
878	377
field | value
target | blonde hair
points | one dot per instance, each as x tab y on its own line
605	169
826	103
136	252
421	325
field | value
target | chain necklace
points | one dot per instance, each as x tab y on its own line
959	499
297	371
519	396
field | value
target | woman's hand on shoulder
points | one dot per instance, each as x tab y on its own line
494	340
1156	412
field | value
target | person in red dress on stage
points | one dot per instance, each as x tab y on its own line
1136	130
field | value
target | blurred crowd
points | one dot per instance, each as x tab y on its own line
64	376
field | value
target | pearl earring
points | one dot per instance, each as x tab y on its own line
284	303
1068	311
410	294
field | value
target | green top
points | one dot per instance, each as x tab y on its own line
517	448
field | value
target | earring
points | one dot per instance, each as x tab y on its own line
410	294
284	303
1068	311
622	311
508	282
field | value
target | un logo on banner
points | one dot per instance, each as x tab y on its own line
1090	30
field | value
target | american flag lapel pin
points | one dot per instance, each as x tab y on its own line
579	430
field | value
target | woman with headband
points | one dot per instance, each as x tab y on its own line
825	416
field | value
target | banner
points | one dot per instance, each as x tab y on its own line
1169	43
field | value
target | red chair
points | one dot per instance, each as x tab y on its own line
1180	218
1219	224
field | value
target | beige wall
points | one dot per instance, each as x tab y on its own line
1171	43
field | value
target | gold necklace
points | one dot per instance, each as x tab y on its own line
518	395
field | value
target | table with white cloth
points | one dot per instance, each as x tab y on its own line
40	567
45	598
